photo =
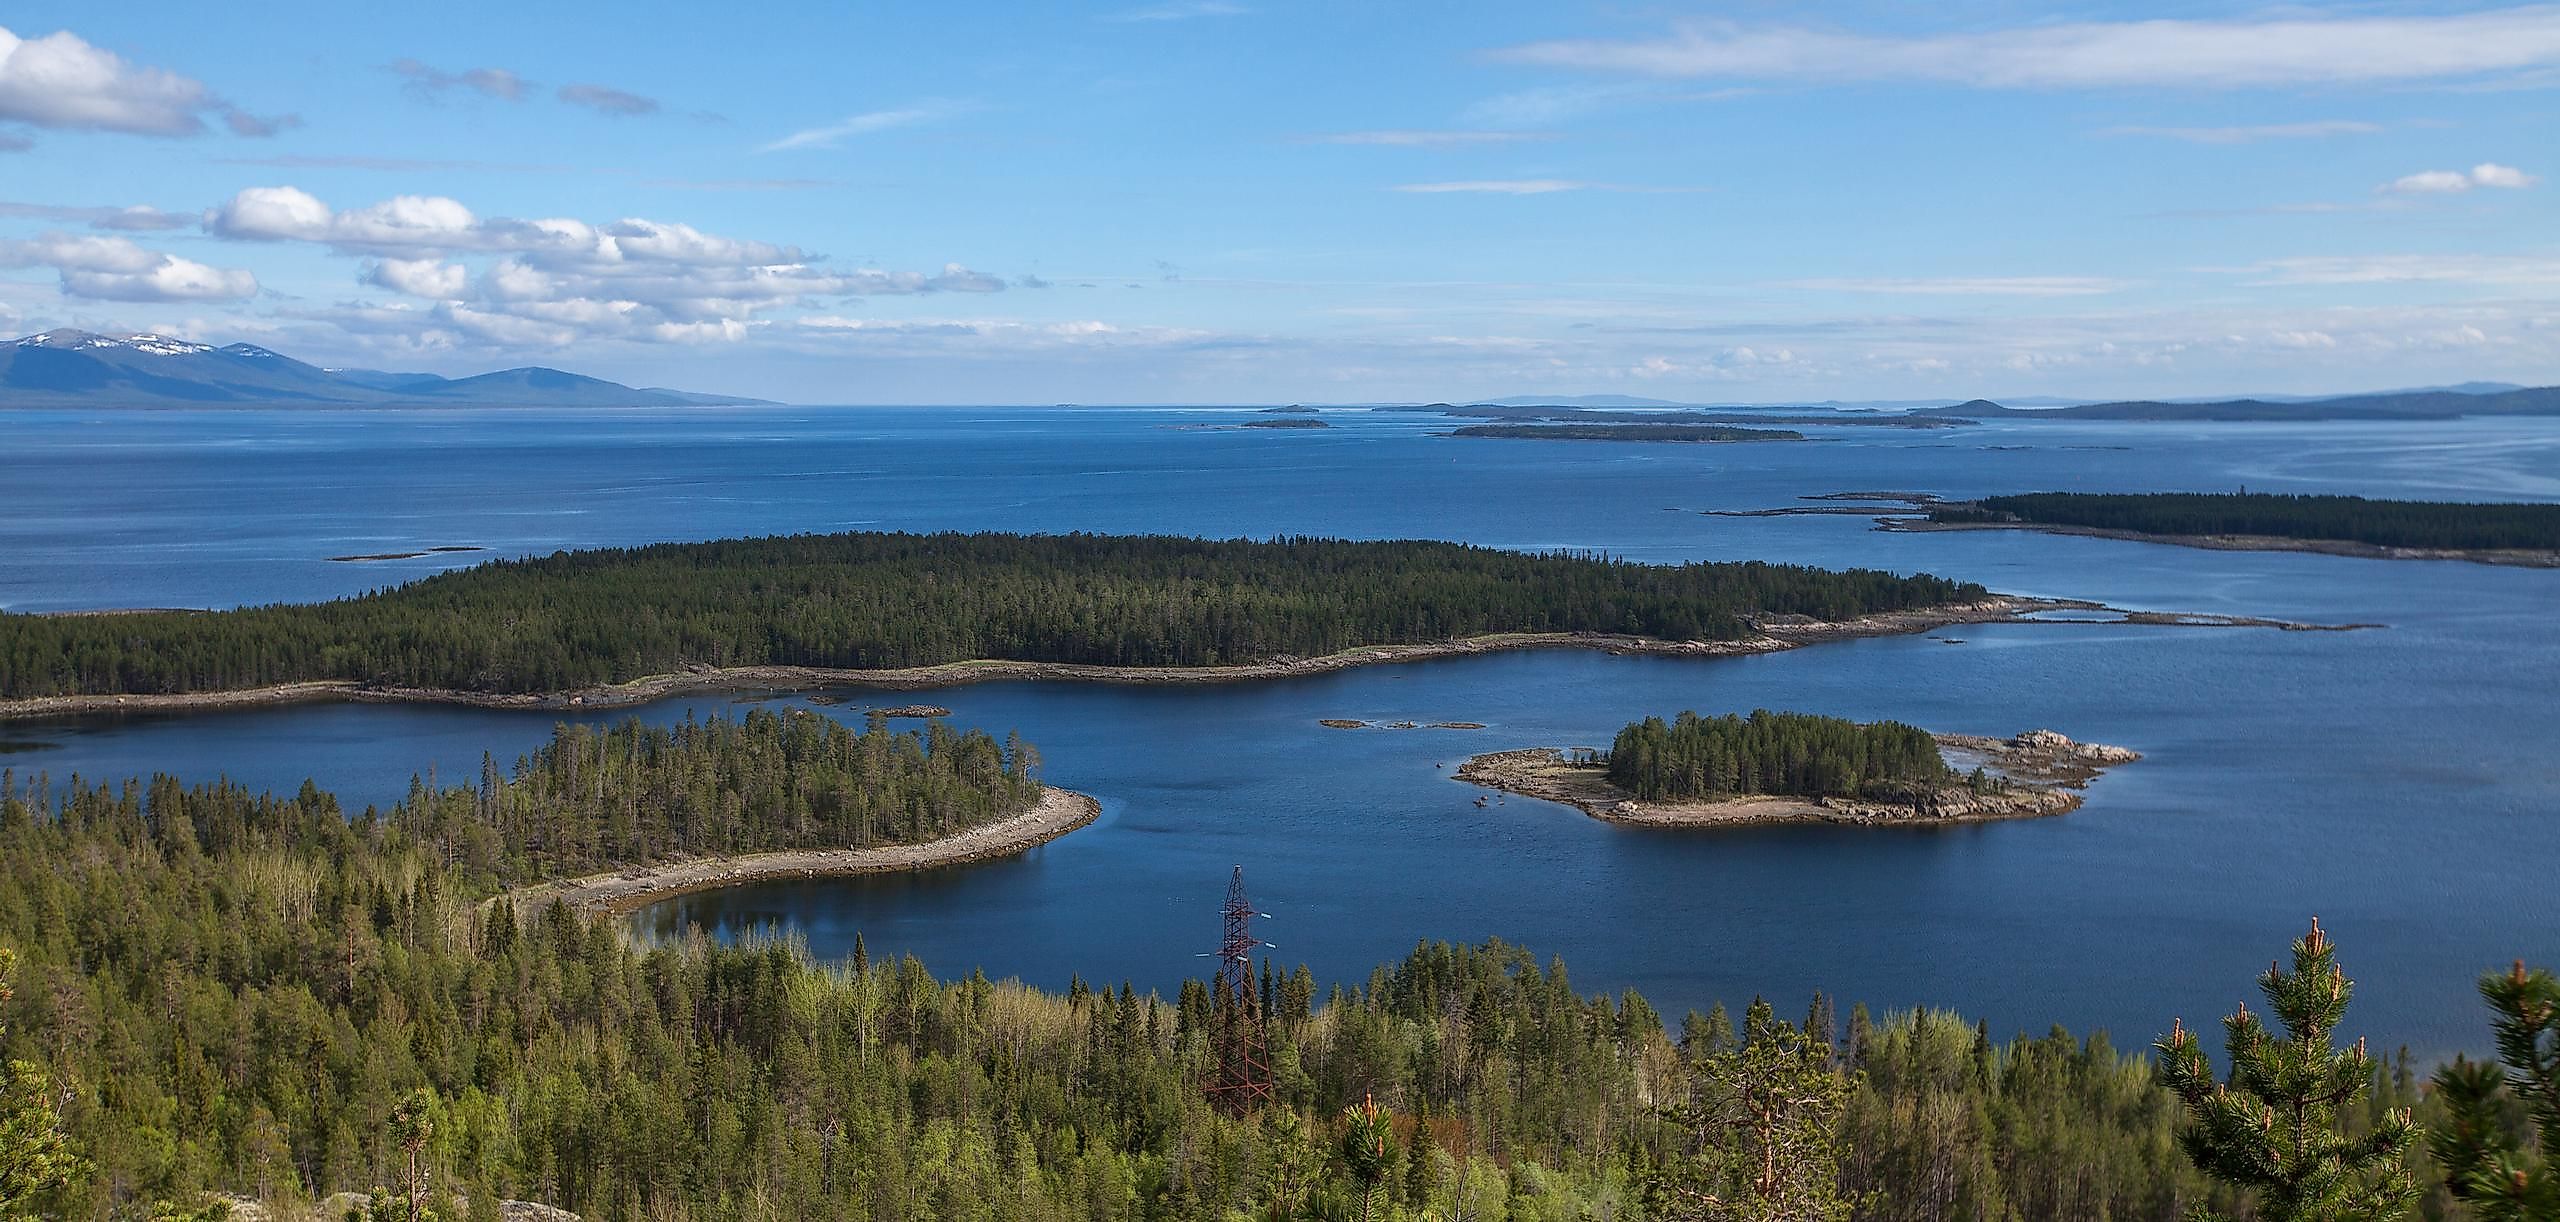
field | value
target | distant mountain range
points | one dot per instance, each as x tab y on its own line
2436	404
68	368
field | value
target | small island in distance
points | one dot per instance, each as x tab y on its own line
1627	432
1773	767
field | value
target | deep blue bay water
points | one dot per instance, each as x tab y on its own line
2399	782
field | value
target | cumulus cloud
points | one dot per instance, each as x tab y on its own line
2279	50
418	277
557	280
865	124
2446	182
61	81
116	269
429	82
605	100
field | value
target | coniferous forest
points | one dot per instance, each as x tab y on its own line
1799	754
211	989
2350	519
879	600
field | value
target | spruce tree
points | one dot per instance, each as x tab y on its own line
2487	1164
2273	1128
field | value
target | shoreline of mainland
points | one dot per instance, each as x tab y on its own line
1775	634
618	893
2044	770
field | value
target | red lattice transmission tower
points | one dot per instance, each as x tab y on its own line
1243	1078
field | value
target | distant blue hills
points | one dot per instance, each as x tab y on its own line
68	368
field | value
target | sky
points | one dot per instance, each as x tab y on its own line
1257	201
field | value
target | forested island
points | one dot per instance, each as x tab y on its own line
1782	767
313	1005
2491	532
875	602
1286	422
1626	432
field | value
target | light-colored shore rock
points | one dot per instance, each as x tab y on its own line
1058	812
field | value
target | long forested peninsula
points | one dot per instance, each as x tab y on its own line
2418	525
866	601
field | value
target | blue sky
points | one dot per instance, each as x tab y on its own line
1212	201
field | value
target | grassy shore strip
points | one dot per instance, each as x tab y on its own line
1776	633
2513	557
2046	771
623	892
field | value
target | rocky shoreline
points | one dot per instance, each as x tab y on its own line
621	892
1774	633
2044	771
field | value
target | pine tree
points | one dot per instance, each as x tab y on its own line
1368	1150
2486	1165
1763	1125
2273	1129
35	1157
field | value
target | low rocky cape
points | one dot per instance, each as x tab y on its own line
2042	773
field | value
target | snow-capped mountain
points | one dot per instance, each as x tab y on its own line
83	368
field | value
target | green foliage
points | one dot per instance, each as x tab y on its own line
1772	753
36	1158
2352	519
595	799
874	600
2501	1135
1760	1128
1368	1151
2276	1128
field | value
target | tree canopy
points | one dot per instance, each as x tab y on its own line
879	600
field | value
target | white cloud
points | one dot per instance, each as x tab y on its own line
431	82
2491	174
554	281
115	269
2252	133
1966	286
418	277
865	124
61	81
2447	182
2514	271
2249	52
